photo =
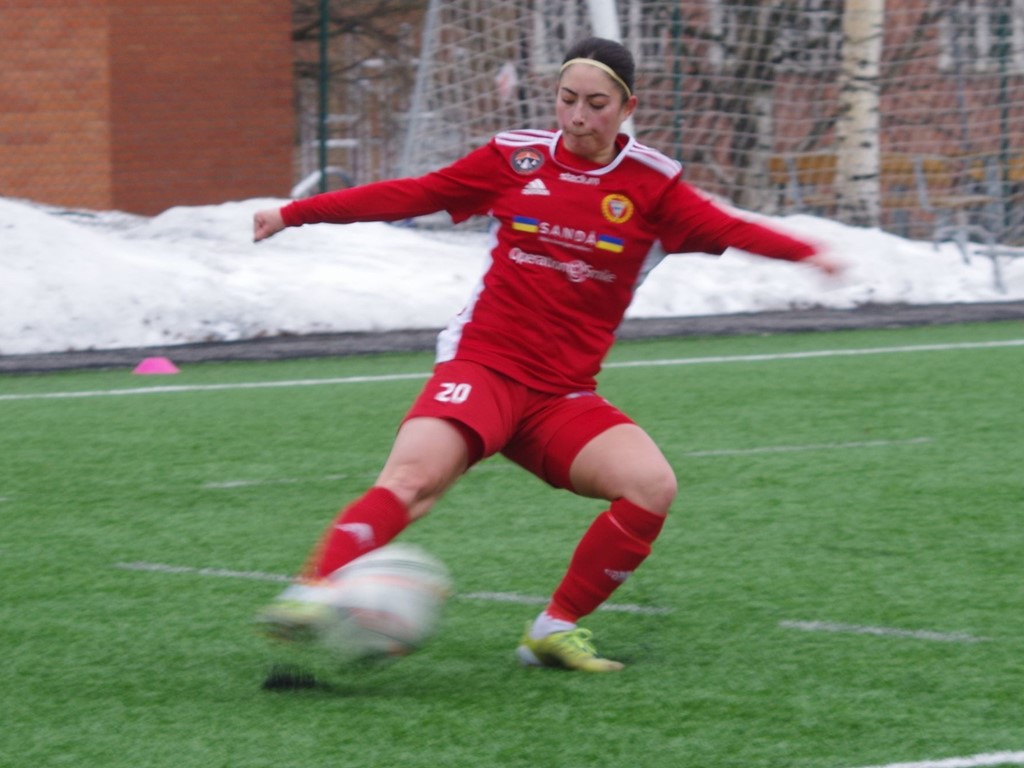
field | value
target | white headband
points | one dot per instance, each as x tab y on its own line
603	67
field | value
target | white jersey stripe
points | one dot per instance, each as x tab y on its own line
449	338
524	138
643	154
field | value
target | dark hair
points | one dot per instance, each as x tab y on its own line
610	53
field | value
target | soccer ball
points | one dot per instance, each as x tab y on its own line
386	603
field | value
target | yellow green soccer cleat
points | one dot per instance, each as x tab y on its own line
571	649
299	614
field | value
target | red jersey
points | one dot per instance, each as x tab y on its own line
569	244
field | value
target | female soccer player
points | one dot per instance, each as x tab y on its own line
580	215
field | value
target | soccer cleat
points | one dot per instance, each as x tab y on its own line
571	649
297	615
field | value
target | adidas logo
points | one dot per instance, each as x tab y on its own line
361	532
536	187
617	576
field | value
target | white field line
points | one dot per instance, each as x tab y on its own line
173	389
514	597
170	389
972	761
808	447
220	573
220	485
820	353
493	597
855	629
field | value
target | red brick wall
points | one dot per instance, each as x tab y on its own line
54	102
201	101
168	102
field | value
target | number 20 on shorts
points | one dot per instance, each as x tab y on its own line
452	392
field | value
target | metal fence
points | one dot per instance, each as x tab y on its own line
747	95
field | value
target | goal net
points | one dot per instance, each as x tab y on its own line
751	97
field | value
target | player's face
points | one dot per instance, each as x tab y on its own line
590	108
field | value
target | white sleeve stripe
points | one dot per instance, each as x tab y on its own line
654	159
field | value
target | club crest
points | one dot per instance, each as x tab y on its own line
526	160
618	209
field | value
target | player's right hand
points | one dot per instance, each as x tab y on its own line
266	223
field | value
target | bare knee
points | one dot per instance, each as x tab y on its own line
415	486
623	462
428	456
654	490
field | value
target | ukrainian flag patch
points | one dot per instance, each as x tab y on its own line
525	224
609	243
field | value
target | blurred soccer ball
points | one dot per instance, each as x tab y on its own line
386	603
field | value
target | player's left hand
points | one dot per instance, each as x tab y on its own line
826	263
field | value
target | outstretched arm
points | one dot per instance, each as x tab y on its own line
463	188
698	224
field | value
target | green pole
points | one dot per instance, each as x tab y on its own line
323	85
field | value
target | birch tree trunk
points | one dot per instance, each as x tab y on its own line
857	130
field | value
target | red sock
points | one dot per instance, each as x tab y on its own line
369	522
612	548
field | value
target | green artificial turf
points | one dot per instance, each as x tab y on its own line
839	583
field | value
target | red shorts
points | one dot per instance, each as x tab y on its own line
540	431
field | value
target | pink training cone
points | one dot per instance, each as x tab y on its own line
156	365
